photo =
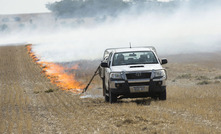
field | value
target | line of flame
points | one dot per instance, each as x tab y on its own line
57	74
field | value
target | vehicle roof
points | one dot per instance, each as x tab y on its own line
145	48
132	49
128	49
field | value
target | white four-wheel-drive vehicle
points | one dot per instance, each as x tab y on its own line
133	73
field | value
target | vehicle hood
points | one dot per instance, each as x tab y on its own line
137	67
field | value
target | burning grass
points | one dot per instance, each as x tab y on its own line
58	74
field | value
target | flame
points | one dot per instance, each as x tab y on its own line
57	74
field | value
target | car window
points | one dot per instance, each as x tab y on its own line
129	58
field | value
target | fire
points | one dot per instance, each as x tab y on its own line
57	74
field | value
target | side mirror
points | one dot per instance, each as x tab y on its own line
164	61
104	64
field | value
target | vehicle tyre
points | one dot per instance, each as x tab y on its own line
154	97
163	95
106	97
112	97
104	88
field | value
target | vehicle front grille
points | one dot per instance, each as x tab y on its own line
139	84
139	75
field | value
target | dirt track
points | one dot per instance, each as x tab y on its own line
26	107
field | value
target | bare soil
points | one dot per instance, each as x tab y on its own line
29	103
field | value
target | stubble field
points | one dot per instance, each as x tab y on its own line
31	104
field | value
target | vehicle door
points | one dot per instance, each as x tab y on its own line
108	70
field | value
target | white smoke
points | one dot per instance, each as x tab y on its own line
185	31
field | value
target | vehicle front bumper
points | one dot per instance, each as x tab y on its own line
123	87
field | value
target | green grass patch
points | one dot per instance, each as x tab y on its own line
205	82
184	76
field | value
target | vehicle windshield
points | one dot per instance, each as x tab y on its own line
129	58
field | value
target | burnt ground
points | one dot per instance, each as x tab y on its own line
29	103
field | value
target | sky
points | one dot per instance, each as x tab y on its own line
25	6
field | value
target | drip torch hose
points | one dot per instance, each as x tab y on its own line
95	73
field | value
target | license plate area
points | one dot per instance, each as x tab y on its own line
138	89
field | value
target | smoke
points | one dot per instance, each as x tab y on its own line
188	29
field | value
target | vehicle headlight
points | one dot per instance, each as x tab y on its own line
116	76
158	74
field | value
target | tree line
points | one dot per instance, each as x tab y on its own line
96	8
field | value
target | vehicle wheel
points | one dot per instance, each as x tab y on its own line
106	98
163	95
112	97
154	97
104	88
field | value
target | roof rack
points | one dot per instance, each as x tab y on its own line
151	47
107	51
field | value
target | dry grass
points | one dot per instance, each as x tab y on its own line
27	108
218	77
202	78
